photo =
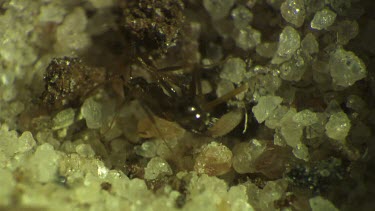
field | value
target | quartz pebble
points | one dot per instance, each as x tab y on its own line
265	106
85	150
9	93
319	203
346	31
63	119
238	199
17	24
293	11
11	144
157	167
300	151
323	19
289	42
346	68
273	191
290	130
274	119
356	103
266	49
70	34
305	117
247	38
147	149
26	142
233	70
241	17
43	164
245	155
208	193
294	69
92	112
338	126
310	44
7	184
224	87
218	9
317	129
214	159
268	84
101	3
52	13
265	198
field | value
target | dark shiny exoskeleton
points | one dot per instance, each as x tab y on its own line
163	100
